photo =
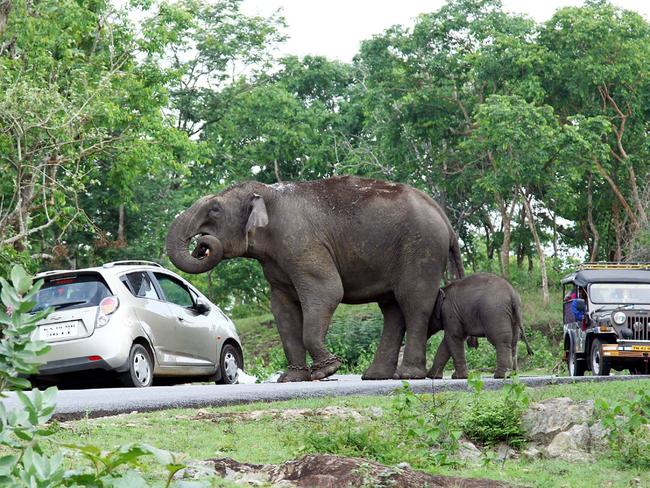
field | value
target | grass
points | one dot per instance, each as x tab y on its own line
273	441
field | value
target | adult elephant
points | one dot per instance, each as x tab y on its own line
324	242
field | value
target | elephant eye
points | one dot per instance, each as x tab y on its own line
215	209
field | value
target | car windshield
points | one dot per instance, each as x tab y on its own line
620	293
71	292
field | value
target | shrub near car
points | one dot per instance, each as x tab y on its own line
614	330
136	319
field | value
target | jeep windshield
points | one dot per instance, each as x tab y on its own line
84	290
620	293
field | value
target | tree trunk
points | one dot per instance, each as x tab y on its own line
593	255
538	245
616	221
506	225
5	7
121	238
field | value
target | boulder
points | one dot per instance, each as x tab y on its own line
533	452
598	437
329	471
544	420
572	445
468	452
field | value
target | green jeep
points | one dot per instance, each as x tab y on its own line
607	318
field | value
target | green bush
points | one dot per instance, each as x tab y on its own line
490	422
628	422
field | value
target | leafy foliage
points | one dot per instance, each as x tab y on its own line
491	422
627	422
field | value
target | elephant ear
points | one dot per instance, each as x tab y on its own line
257	216
437	308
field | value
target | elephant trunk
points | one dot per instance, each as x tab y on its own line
207	253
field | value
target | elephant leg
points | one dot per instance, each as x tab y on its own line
385	361
320	293
288	317
416	302
439	361
503	345
456	347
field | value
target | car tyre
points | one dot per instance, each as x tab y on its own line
575	366
140	372
600	365
229	365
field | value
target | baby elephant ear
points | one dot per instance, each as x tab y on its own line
257	216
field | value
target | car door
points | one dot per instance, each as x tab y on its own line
155	314
195	334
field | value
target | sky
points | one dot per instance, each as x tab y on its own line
335	28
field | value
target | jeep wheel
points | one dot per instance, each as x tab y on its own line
576	366
600	365
638	369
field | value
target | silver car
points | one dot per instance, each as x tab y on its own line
137	319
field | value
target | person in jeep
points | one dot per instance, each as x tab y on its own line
608	326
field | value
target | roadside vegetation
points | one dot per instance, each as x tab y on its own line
403	427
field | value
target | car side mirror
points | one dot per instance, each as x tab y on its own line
201	307
581	306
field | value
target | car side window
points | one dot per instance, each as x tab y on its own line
175	292
141	286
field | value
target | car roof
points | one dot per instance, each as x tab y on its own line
634	274
114	268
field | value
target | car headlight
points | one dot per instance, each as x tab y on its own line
619	318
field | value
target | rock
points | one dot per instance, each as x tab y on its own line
468	452
598	437
504	451
289	414
544	420
572	445
328	471
533	452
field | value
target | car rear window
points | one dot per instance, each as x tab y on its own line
72	291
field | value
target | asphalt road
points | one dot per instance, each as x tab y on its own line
110	401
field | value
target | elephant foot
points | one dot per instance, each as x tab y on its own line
295	373
379	372
326	367
434	375
459	375
409	373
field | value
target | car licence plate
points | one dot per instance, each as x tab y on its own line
641	348
62	330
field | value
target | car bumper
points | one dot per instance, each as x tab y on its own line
627	350
107	348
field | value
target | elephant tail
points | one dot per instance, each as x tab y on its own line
455	257
516	311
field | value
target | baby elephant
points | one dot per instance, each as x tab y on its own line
481	305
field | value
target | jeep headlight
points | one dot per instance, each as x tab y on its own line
619	318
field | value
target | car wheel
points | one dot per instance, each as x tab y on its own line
140	372
576	366
229	365
600	365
